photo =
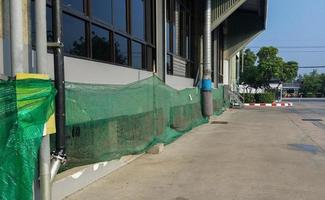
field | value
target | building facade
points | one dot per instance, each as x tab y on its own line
123	41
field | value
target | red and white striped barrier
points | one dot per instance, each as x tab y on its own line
268	104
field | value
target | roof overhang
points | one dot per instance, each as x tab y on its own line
244	25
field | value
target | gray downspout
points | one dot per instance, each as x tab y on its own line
206	85
41	63
16	31
58	157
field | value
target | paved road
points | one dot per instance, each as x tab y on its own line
261	154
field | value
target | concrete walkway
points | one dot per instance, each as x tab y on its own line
262	154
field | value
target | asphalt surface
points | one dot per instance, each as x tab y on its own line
260	154
312	111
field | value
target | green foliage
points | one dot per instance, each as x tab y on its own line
267	97
250	75
313	85
269	67
290	71
249	98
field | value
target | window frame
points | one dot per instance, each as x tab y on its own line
172	51
91	21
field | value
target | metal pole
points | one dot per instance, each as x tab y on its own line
206	86
44	168
41	63
59	77
16	33
58	157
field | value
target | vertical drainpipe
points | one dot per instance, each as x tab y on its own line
16	31
41	63
58	157
206	82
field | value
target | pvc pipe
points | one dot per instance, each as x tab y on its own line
16	37
41	63
41	36
44	169
55	166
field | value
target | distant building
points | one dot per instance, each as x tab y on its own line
291	89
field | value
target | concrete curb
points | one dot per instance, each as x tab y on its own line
76	179
268	104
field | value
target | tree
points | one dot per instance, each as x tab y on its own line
249	76
289	71
270	65
313	85
265	66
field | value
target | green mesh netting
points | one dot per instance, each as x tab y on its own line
105	122
218	100
25	106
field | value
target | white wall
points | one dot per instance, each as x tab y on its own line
226	72
179	83
86	71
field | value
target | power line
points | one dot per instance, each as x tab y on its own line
303	51
311	67
291	47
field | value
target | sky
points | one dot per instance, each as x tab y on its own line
296	23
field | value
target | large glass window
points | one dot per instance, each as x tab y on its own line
137	18
119	13
121	49
49	29
117	31
74	4
137	56
74	37
218	48
102	10
178	33
150	59
100	43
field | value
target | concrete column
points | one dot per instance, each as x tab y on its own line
16	31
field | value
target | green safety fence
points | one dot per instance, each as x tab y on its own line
105	122
219	103
25	106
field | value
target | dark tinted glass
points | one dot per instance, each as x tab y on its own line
102	9
48	24
150	59
32	16
74	4
121	49
137	58
100	42
119	10
169	64
49	29
74	37
137	18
